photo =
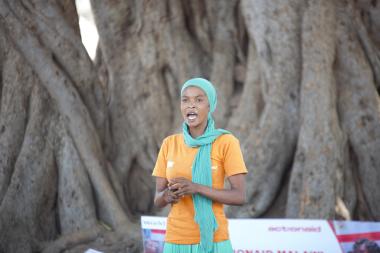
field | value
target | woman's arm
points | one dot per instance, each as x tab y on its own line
234	196
163	195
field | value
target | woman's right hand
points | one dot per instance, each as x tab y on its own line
170	197
163	195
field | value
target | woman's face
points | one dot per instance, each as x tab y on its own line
194	107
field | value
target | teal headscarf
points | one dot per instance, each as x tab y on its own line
201	170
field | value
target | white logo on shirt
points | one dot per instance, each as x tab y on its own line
214	167
170	164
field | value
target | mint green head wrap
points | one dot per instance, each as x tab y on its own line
207	87
201	169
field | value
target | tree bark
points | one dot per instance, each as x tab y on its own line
359	108
64	134
318	163
275	27
297	81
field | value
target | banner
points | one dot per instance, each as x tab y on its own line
282	236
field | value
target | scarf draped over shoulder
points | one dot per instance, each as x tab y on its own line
201	169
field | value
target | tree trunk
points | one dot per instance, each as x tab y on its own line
297	81
60	134
318	162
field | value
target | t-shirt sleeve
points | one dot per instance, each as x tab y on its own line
233	158
160	167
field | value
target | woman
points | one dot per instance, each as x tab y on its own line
190	172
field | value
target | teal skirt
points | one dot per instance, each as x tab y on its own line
219	247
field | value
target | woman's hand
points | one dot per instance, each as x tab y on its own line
181	186
170	197
174	189
163	195
233	196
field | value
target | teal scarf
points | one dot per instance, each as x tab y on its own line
201	170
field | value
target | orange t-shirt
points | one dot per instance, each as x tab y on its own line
175	159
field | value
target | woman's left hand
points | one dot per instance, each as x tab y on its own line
182	186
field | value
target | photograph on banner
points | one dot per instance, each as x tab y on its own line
153	233
153	240
357	236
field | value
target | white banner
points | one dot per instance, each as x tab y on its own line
281	235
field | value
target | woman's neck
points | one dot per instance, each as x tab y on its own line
197	131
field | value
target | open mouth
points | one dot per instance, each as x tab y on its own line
191	115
